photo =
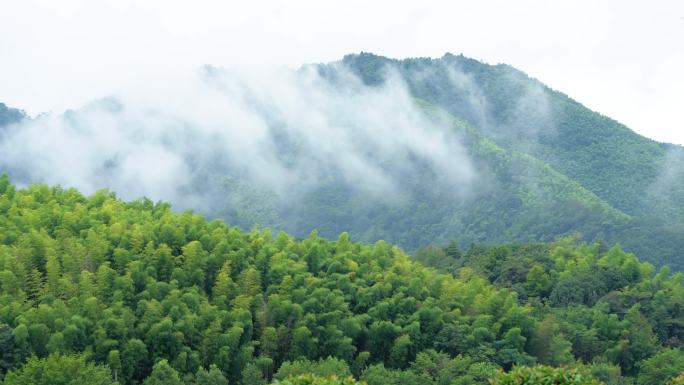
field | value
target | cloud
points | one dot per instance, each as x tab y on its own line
614	56
278	130
665	196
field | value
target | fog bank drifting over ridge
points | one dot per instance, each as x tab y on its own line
283	131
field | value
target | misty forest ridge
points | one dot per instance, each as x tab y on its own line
413	151
369	221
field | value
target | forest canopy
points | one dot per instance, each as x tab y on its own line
131	292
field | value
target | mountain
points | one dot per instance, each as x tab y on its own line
138	293
546	166
635	175
10	115
414	152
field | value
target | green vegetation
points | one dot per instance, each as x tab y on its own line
314	380
93	285
592	303
543	375
133	284
522	114
59	370
678	380
634	175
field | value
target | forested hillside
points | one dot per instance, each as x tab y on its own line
640	177
413	152
522	114
10	115
514	197
144	295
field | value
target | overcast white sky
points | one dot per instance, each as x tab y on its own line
622	58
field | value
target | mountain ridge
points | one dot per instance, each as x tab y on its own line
546	167
617	164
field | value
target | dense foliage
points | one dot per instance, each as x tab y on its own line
158	297
133	284
314	380
594	304
60	370
678	380
543	375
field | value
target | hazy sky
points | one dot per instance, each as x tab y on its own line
624	59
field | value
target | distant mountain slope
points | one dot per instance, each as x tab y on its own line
515	196
636	175
521	113
414	151
10	115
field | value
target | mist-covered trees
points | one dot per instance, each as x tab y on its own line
10	115
518	114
